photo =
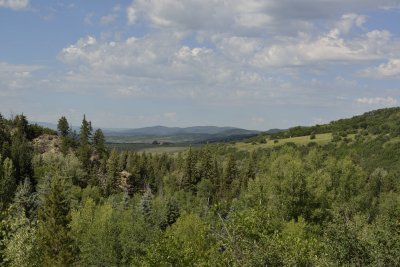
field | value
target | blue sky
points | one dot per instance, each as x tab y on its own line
256	64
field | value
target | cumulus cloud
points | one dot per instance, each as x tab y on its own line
227	67
328	47
378	101
391	69
157	56
14	4
205	57
348	21
162	53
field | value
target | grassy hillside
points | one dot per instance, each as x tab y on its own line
375	122
320	139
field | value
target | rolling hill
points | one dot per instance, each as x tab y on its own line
194	134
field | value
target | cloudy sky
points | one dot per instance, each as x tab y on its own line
255	64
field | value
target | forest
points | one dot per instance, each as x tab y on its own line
66	199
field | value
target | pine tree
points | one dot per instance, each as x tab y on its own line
64	131
172	214
206	169
53	216
85	135
21	123
230	181
21	155
63	127
231	172
189	179
99	143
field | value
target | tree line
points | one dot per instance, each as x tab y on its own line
87	205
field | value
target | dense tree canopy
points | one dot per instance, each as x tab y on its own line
85	205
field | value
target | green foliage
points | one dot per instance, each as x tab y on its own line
93	230
64	131
186	243
53	220
21	155
291	204
85	150
21	240
113	174
63	127
7	182
99	143
370	122
109	236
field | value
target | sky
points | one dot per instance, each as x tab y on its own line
255	64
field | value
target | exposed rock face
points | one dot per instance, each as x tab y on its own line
47	144
124	182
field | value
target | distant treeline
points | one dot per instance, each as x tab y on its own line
74	202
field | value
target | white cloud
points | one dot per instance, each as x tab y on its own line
224	66
348	21
108	19
249	16
380	101
132	16
391	69
112	16
16	79
14	4
329	47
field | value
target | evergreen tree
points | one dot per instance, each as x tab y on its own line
21	123
85	135
190	179
63	127
64	132
21	155
172	213
231	172
206	168
99	143
53	236
230	180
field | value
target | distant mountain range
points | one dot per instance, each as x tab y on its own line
164	131
195	134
